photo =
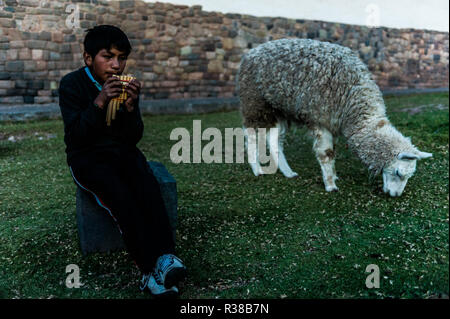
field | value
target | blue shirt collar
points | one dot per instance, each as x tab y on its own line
99	87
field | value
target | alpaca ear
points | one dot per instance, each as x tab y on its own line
407	156
413	156
423	155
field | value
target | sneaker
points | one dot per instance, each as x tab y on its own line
170	269
153	283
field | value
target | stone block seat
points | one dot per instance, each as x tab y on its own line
97	230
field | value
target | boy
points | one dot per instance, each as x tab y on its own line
105	161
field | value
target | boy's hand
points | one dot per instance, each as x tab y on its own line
133	88
111	88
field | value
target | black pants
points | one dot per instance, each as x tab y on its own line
127	189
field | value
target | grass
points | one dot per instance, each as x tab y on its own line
241	236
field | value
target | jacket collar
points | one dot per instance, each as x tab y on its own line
88	72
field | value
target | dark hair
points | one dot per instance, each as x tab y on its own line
105	37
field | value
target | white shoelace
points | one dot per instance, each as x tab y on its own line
165	263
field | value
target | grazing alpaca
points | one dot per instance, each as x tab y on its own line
330	90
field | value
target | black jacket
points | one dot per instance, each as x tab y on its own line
85	129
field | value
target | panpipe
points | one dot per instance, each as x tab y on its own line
115	103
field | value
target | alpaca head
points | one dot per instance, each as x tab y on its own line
396	175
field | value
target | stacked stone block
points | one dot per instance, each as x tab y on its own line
186	52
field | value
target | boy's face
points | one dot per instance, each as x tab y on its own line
106	63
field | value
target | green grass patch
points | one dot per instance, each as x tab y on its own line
241	236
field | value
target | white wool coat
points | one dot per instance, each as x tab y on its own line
319	84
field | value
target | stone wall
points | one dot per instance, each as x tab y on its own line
185	52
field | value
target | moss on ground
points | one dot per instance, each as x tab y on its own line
241	236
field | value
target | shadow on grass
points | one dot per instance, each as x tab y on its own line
6	150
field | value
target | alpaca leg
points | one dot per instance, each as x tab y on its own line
256	113
325	154
252	149
276	142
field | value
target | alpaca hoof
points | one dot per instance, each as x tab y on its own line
258	172
331	188
291	175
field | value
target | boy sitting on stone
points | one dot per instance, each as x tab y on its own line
105	161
